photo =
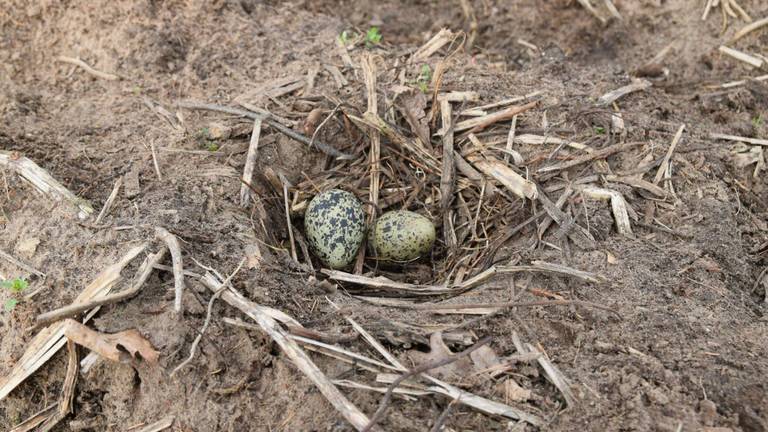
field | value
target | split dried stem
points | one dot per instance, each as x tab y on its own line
178	266
749	29
110	200
88	69
145	270
22	265
447	175
250	163
43	181
664	167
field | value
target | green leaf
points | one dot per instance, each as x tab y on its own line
19	285
16	285
422	81
344	37
202	133
426	73
600	130
212	146
373	36
10	304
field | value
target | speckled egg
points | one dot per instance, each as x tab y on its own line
334	223
402	235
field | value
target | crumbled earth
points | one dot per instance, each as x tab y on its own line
687	350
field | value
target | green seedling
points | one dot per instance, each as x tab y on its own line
203	138
346	37
15	286
10	304
372	37
203	133
424	78
599	130
757	122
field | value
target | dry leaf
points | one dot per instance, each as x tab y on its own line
399	89
253	255
27	247
122	347
650	70
219	131
131	184
438	351
312	121
513	392
611	258
708	264
744	156
484	357
540	292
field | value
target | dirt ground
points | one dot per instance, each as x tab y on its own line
687	351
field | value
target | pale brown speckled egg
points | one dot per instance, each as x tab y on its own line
401	236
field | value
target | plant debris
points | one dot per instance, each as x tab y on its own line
125	347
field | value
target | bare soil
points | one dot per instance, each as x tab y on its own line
688	352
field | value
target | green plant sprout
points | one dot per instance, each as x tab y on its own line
10	304
203	138
757	122
599	130
203	133
15	286
346	37
424	78
372	37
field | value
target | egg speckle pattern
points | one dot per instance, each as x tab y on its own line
334	223
402	236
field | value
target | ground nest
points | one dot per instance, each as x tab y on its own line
427	145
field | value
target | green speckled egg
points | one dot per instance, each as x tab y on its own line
334	223
402	235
